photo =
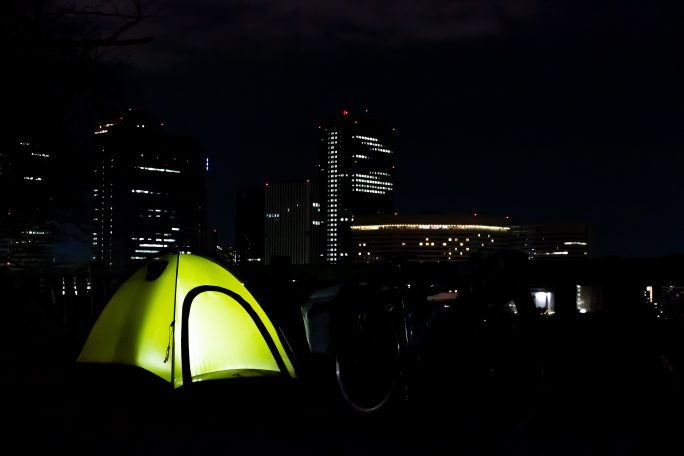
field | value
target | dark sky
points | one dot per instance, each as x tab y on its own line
546	111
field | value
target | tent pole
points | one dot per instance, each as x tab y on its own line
173	334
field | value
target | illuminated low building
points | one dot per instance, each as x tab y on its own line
429	238
551	242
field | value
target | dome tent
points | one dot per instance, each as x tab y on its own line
185	318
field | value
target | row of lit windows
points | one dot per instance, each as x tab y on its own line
446	254
154	239
367	138
371	176
145	192
379	149
161	170
365	190
359	187
367	183
371	182
334	253
564	252
427	241
411	226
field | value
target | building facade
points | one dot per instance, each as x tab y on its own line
551	241
27	205
249	224
446	237
292	222
425	238
357	178
149	193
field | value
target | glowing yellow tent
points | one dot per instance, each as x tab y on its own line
185	318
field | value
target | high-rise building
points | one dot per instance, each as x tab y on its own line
150	191
292	222
249	224
356	176
26	207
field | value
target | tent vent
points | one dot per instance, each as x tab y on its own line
155	269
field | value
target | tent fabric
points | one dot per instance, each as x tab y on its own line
228	333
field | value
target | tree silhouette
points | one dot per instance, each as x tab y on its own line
56	86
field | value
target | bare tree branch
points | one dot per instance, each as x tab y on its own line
107	42
90	13
114	7
106	9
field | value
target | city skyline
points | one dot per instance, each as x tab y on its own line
563	114
546	115
331	122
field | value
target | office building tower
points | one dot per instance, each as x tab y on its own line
26	205
249	224
292	222
150	191
356	176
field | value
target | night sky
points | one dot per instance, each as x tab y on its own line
563	111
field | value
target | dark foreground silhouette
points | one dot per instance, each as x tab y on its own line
607	393
612	385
